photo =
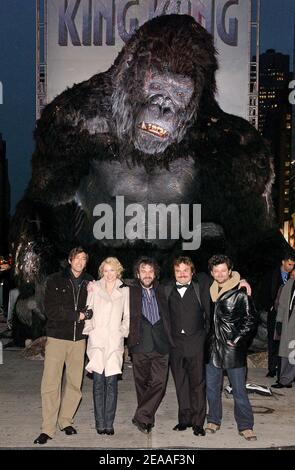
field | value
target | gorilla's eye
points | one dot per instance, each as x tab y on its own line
155	86
180	94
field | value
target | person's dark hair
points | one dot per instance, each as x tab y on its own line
289	255
150	262
184	260
76	251
215	260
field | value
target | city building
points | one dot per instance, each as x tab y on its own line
275	124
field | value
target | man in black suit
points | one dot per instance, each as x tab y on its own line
148	342
190	313
271	287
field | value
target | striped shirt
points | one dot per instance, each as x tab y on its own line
150	308
284	276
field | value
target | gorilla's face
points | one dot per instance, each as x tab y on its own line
163	114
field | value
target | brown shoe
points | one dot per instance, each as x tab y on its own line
212	428
248	434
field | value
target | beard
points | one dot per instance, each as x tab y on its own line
147	282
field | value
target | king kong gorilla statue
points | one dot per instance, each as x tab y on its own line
148	129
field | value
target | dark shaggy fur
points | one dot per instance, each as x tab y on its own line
88	132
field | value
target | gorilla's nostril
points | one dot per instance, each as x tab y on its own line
154	107
157	99
167	112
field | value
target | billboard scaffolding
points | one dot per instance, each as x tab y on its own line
41	55
254	64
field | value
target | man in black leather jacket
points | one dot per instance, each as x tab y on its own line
65	308
233	324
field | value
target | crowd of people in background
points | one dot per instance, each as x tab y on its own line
278	299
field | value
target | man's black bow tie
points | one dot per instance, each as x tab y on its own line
180	286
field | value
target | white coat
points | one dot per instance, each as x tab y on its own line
107	328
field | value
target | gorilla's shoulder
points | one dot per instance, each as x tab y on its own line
84	106
230	150
232	140
248	148
229	128
243	128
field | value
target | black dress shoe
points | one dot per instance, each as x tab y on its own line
279	385
149	427
100	431
42	439
69	430
181	427
140	426
271	374
198	431
109	432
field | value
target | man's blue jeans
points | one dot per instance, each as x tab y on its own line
242	407
105	393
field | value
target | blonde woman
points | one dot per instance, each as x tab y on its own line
108	298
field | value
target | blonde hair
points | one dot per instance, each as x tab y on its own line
114	263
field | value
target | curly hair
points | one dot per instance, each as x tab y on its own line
219	259
150	262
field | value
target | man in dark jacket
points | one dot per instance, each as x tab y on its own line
189	312
65	299
148	342
234	323
269	298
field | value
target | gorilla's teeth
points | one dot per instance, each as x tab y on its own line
153	129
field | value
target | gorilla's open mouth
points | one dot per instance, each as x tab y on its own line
153	129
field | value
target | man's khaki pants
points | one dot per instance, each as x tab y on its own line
59	352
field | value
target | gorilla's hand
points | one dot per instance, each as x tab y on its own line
32	259
31	308
33	251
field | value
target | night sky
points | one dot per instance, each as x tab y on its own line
17	74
